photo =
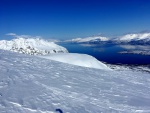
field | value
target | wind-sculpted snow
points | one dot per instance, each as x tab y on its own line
77	59
29	84
32	46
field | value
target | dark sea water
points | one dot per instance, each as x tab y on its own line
110	53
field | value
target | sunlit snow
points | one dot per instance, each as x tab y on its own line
30	84
77	59
32	46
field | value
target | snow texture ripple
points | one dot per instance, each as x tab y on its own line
29	84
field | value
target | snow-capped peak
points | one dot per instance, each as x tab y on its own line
32	46
136	37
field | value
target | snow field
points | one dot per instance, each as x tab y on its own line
30	84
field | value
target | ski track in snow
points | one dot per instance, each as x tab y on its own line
29	84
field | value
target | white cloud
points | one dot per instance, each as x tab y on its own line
22	36
14	35
11	34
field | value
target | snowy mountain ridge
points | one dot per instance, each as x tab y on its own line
88	39
133	38
32	46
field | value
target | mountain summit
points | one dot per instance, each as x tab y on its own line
32	46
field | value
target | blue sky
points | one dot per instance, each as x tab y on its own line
64	19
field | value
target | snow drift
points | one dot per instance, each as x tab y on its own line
77	59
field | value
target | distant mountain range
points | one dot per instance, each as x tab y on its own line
89	39
32	46
139	38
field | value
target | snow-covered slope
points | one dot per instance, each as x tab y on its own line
89	39
29	84
32	46
36	46
77	59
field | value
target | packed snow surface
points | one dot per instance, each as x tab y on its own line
77	59
32	46
30	84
